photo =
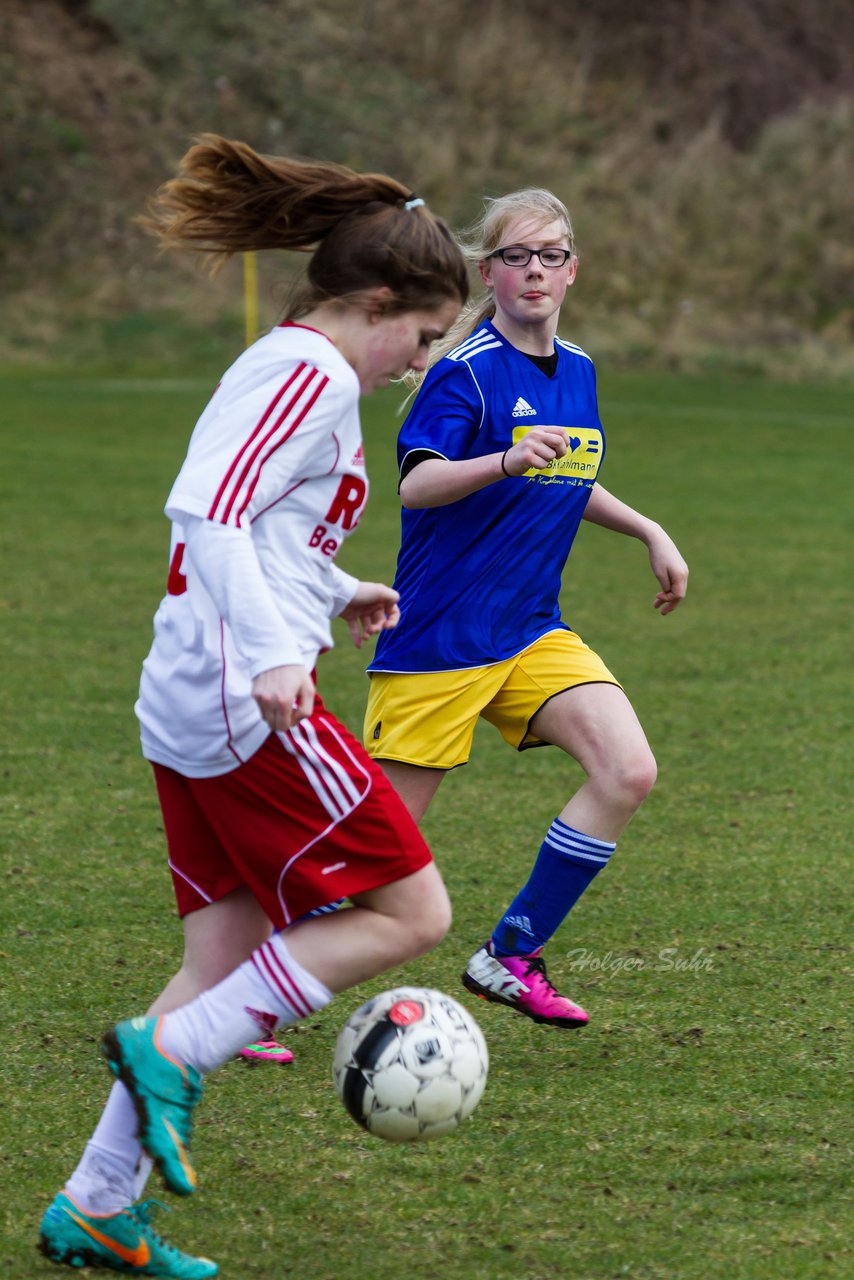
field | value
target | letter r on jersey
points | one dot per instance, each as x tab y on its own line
348	502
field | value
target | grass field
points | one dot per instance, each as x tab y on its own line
701	1127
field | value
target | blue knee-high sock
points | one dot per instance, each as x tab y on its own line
566	864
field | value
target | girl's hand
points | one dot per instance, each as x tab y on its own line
670	569
285	695
539	447
372	609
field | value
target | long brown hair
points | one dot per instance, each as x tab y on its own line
363	229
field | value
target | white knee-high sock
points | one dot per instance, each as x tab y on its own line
269	990
143	1173
113	1169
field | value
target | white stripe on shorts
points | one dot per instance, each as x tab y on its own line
327	776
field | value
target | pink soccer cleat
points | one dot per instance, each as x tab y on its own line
266	1051
521	983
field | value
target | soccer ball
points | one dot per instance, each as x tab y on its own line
410	1064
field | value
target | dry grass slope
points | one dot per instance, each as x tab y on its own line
705	151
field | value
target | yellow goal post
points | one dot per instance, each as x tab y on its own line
250	297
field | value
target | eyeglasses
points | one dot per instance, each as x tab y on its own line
518	255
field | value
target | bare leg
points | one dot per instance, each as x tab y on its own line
298	970
217	938
415	785
597	726
384	928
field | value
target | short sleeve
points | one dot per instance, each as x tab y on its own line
446	415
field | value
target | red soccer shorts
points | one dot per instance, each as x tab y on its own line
309	819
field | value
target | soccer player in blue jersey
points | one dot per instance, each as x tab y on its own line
499	463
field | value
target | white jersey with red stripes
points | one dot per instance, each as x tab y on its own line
276	459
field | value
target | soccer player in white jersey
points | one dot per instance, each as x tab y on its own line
499	462
270	807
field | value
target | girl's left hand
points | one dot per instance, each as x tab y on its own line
671	571
372	609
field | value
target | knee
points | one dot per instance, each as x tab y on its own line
629	779
431	924
638	777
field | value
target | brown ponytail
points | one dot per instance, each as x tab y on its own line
227	199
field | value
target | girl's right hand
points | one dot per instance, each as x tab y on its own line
537	448
285	695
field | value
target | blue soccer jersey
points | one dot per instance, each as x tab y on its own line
479	578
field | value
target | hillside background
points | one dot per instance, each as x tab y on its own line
704	148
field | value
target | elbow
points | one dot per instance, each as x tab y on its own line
410	498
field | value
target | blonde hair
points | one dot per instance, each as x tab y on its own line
362	229
482	238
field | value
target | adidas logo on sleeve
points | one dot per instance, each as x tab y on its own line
522	409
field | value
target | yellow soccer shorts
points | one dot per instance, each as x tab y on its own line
428	718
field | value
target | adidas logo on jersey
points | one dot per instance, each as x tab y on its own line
358	458
522	409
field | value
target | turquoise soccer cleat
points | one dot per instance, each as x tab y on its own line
123	1241
164	1092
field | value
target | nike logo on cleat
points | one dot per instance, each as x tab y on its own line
136	1257
492	975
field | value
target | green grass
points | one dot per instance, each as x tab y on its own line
700	1127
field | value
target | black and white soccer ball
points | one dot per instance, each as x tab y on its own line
410	1064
